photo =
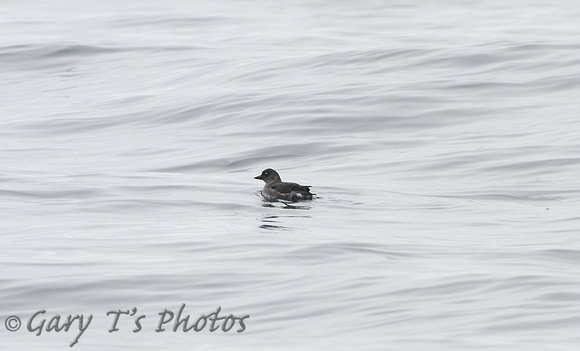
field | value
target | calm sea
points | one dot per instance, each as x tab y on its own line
442	139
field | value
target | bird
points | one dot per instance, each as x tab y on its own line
275	188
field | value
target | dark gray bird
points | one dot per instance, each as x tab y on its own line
275	188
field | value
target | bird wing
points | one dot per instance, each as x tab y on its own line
289	187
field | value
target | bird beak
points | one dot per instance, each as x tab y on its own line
258	177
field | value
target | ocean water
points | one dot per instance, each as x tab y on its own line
441	139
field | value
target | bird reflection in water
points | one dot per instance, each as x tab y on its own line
275	221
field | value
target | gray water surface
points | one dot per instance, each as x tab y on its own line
441	140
